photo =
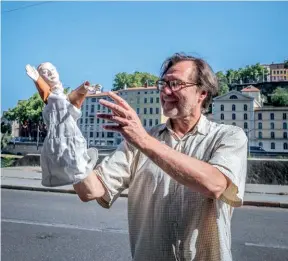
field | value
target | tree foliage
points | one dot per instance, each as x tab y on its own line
136	79
249	74
222	82
280	97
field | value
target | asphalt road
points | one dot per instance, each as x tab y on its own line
51	226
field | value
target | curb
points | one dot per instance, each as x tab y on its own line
266	204
46	189
125	194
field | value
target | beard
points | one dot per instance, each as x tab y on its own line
178	109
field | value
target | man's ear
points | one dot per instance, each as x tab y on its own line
203	95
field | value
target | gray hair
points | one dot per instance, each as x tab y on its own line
205	78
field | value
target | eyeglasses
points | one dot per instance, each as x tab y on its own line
174	85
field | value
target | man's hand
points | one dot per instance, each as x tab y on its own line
32	72
129	124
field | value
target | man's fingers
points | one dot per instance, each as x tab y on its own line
113	118
119	100
117	128
117	109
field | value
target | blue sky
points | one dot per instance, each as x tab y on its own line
96	40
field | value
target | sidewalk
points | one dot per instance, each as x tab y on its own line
29	178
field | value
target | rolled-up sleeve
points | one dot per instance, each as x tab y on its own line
115	172
230	157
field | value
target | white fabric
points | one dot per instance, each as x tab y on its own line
64	156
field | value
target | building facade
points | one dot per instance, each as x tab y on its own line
278	72
265	126
144	100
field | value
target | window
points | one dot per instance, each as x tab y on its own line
245	107
233	97
138	100
150	122
259	135
285	146
145	110
92	108
245	116
157	100
222	116
233	107
93	99
222	107
260	144
87	107
284	116
145	122
284	135
151	99
86	121
98	107
233	116
272	125
145	100
102	134
156	122
285	125
86	113
91	134
98	120
151	110
157	110
110	134
259	116
91	120
272	135
138	110
245	125
271	116
272	146
260	125
81	121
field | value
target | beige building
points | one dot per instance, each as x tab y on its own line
278	72
264	126
144	100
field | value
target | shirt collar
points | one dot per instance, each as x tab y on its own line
202	127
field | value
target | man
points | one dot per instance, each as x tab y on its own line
184	177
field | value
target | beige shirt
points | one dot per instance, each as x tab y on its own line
168	221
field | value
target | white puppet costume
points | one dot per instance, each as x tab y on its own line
65	158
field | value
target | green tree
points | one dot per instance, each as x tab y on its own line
222	82
5	138
136	79
286	64
280	97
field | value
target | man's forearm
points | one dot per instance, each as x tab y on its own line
90	188
193	173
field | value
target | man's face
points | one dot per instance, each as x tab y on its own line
49	73
187	100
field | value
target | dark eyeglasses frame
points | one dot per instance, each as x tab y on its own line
172	88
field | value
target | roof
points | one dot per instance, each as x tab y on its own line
123	90
272	108
250	88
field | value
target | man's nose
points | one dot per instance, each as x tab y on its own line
167	91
